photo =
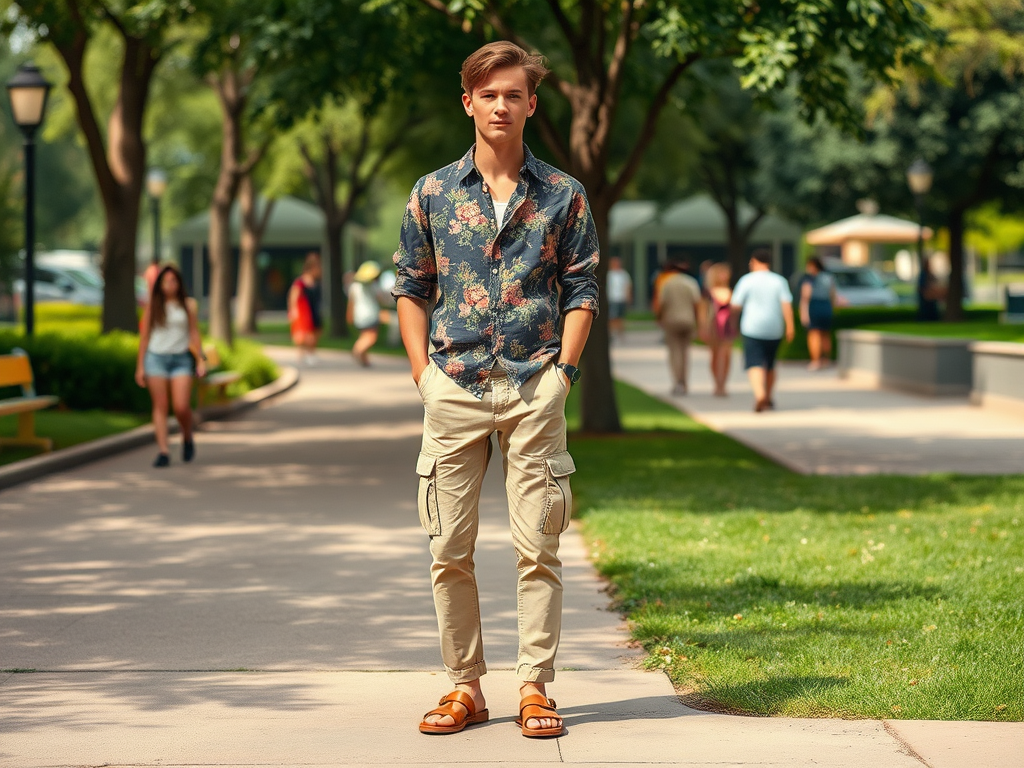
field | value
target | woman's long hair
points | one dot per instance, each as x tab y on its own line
157	300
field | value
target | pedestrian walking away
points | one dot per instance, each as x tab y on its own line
677	306
170	354
364	309
817	298
766	303
304	313
507	246
929	293
620	295
718	326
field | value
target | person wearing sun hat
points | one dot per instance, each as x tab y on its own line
364	309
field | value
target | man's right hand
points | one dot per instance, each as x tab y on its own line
418	370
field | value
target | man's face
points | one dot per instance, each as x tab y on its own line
500	105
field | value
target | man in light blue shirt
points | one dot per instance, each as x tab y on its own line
766	304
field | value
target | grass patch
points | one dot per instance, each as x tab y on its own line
67	428
278	334
976	331
759	590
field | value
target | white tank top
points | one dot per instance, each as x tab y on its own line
171	338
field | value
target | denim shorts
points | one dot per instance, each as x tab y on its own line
169	366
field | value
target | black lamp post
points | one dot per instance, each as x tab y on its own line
156	185
28	91
919	179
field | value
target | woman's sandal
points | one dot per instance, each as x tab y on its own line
537	707
466	715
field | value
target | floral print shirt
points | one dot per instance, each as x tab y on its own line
501	291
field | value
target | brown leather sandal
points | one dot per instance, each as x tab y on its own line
538	707
467	715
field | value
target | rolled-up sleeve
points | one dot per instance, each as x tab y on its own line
579	255
414	259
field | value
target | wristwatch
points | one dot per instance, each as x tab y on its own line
571	372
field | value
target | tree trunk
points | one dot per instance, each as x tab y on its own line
254	225
221	277
119	163
599	409
955	289
323	179
336	276
229	177
736	245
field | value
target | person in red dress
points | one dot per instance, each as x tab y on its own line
304	309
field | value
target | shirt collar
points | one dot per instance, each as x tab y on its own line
530	163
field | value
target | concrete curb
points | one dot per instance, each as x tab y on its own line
67	458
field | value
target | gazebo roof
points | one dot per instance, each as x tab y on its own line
697	219
878	228
292	222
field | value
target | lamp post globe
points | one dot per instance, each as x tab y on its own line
28	92
919	177
156	185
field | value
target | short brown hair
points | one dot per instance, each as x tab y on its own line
500	55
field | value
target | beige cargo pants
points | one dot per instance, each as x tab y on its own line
530	425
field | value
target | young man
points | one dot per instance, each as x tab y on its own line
507	247
766	302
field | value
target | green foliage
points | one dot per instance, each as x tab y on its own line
761	591
89	371
247	358
84	371
893	318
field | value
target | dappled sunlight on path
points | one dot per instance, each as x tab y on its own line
826	425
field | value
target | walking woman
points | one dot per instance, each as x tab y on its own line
817	298
719	328
304	309
169	330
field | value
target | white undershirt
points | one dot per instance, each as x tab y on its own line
499	211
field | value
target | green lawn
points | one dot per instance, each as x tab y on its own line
278	334
67	428
985	331
762	591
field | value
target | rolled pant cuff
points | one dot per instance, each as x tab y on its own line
530	674
466	675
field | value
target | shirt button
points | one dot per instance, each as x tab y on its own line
494	271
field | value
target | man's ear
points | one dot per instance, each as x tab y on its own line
467	103
533	106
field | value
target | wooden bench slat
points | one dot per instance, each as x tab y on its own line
14	405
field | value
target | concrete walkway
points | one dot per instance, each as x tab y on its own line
826	425
269	605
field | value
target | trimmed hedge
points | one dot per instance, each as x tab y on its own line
856	317
89	371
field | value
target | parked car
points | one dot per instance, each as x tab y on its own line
860	286
75	285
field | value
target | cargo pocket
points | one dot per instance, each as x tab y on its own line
426	496
558	497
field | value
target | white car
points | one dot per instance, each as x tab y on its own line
860	286
75	285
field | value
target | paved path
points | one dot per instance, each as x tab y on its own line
825	425
269	606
